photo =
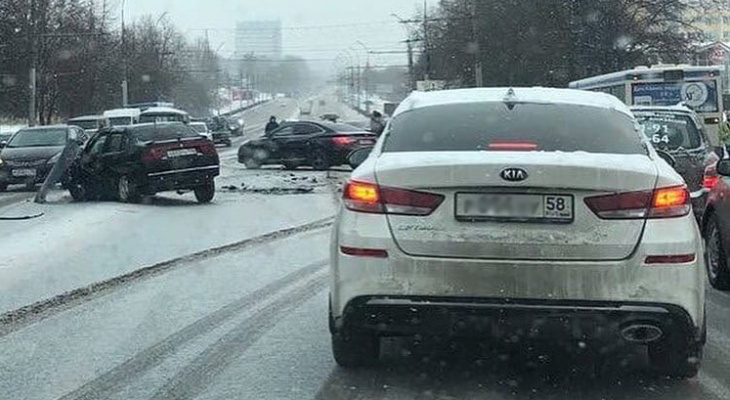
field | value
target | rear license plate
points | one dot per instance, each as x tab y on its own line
181	152
514	207
24	172
366	141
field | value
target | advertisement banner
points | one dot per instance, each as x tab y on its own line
700	96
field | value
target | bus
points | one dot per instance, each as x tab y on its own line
667	85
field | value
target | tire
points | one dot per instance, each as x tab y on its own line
291	165
127	190
676	358
228	143
204	194
3	186
717	262
320	160
355	349
251	163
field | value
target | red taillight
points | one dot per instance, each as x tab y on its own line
153	154
358	252
660	203
709	182
371	198
513	146
207	148
343	140
674	259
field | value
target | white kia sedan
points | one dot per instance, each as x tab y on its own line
517	214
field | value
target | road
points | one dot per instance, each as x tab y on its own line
174	300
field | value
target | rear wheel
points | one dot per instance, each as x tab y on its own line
127	190
205	193
251	163
676	358
717	265
3	186
291	165
320	160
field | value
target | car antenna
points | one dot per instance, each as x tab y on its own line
510	99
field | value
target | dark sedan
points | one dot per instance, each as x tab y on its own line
30	154
305	143
129	162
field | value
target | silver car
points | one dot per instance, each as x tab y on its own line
517	213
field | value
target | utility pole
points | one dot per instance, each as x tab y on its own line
478	77
32	72
425	41
411	75
125	82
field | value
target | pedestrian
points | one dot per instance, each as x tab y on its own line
271	125
377	123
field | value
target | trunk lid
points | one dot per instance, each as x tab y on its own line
576	174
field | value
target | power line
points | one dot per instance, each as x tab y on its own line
299	27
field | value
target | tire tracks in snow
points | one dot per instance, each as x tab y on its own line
269	303
17	319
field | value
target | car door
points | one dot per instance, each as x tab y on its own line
90	164
278	144
305	136
113	160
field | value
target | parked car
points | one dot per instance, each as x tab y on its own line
202	129
716	229
89	123
235	125
132	161
123	116
31	153
506	213
678	131
294	144
163	114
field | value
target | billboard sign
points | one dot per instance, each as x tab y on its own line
700	96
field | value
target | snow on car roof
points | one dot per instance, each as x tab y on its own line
87	118
677	108
164	110
535	95
122	112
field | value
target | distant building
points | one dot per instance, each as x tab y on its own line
710	18
262	39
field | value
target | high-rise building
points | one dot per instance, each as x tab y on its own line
262	39
712	19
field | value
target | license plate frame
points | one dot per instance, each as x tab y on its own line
25	172
544	219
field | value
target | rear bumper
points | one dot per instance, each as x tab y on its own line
499	318
42	171
609	284
181	179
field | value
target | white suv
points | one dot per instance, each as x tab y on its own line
530	212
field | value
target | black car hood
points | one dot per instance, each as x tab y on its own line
29	153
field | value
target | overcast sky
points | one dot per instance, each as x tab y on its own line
308	29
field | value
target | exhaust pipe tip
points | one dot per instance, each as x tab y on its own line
641	333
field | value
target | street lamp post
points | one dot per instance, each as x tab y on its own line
367	73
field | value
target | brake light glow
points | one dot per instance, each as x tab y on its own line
342	140
153	154
371	198
660	203
358	252
513	146
709	182
673	259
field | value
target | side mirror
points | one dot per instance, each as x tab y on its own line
3	144
667	157
723	167
358	157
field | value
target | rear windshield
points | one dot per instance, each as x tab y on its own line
120	121
343	128
490	126
39	137
85	124
164	132
669	131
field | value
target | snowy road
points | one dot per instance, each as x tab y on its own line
174	300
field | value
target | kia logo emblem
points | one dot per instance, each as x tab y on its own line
513	174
